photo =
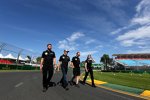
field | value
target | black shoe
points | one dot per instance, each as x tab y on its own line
82	82
54	84
59	82
77	85
94	85
51	84
44	89
71	83
66	88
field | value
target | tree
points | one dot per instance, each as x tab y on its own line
38	60
105	60
82	63
29	57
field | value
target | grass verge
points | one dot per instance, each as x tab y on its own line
141	81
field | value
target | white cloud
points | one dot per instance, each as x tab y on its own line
128	43
90	41
142	16
69	43
98	46
64	44
120	29
139	35
84	54
75	36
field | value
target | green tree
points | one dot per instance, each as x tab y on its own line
29	57
38	60
82	63
105	60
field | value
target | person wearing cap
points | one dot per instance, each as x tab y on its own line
48	63
76	69
63	64
89	69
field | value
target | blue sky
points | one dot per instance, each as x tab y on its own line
88	26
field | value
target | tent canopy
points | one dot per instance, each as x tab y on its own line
10	56
1	56
20	58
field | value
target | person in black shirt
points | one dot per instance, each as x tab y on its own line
63	64
48	62
76	69
89	69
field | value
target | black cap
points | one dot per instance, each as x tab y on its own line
66	50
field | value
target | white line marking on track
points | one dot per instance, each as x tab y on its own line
19	84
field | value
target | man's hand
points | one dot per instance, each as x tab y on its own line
58	68
41	67
55	67
86	69
72	66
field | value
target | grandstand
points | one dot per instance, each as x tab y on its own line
133	61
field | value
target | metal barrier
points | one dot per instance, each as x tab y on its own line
12	57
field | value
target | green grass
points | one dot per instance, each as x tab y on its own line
141	81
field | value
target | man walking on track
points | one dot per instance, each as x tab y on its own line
76	69
63	64
48	62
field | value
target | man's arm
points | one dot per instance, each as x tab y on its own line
93	61
71	63
41	65
58	67
86	67
55	65
54	60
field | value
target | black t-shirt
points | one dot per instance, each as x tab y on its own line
64	59
89	63
48	57
76	61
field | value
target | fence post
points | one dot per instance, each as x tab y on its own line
19	56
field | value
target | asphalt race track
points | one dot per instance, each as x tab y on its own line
28	86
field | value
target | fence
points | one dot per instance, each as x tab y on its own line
12	57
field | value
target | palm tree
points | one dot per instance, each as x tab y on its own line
105	60
29	57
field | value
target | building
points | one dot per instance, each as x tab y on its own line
133	61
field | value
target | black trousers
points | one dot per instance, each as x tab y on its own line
47	75
64	76
73	75
90	70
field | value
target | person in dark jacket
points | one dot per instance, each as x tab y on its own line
89	69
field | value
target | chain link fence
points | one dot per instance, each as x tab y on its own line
12	57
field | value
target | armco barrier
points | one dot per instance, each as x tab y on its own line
17	67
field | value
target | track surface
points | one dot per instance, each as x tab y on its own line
28	86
